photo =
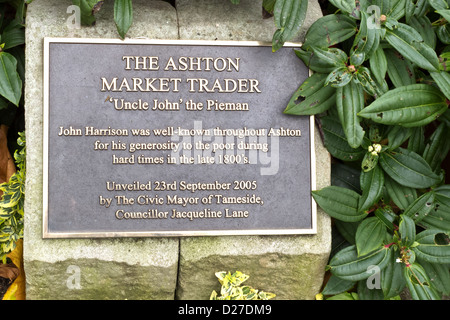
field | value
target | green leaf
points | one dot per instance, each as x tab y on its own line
13	35
123	16
369	293
424	27
421	207
336	142
386	216
419	284
337	285
392	280
347	230
339	77
397	135
443	33
372	183
439	275
367	39
86	11
329	30
429	250
349	102
437	148
369	161
402	196
322	61
442	80
410	44
364	77
347	265
437	219
289	16
318	102
439	4
340	203
369	235
10	82
443	195
416	141
378	64
407	229
401	71
408	168
348	6
409	106
269	5
345	176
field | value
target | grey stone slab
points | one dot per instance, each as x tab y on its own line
222	20
47	262
290	266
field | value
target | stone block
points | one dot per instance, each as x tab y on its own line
105	268
292	267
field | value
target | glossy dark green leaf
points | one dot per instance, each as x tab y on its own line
443	33
10	82
386	216
339	77
442	80
318	102
347	265
416	141
348	6
410	44
424	27
329	30
439	4
408	168
337	285
421	207
322	61
372	183
347	230
408	106
429	250
437	219
345	176
369	235
367	39
368	290
443	195
407	229
369	161
392	280
378	64
349	102
13	35
340	203
419	283
86	11
402	196
363	76
123	16
439	275
400	70
289	16
336	142
397	136
437	147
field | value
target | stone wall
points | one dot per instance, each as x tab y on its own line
159	268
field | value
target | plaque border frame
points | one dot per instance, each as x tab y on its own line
46	234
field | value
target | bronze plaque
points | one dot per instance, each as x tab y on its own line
174	138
